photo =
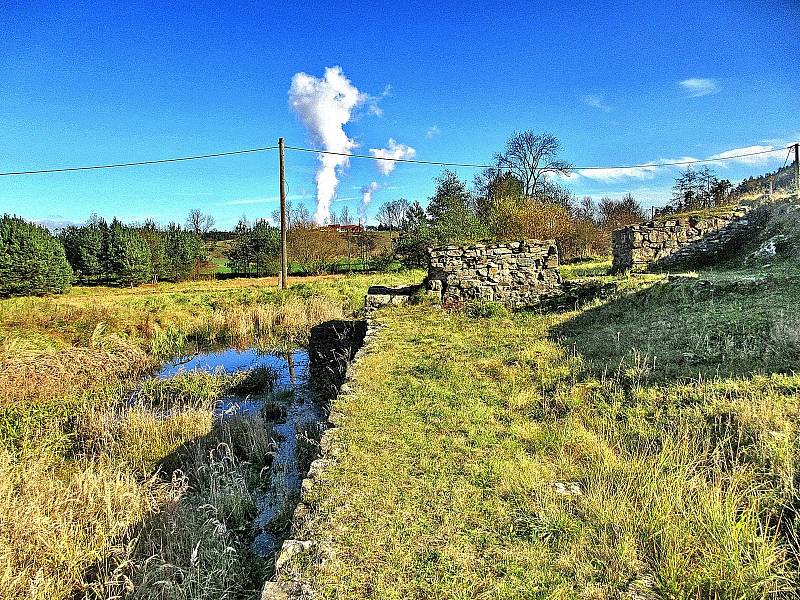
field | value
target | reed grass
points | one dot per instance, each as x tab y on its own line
102	496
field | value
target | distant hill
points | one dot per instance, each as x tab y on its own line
784	181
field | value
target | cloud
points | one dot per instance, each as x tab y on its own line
648	171
394	151
433	131
655	168
325	105
596	101
758	159
366	198
54	224
697	86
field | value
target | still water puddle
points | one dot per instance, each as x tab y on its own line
302	419
291	367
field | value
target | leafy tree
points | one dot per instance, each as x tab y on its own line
615	214
492	186
32	261
198	223
314	249
391	214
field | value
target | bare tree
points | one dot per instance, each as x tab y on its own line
531	158
391	214
198	223
344	216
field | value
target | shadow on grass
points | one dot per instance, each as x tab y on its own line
690	328
233	491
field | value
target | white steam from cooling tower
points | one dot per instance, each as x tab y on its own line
324	106
366	197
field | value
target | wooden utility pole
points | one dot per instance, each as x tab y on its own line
797	168
284	254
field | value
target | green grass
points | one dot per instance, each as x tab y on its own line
95	334
102	496
646	445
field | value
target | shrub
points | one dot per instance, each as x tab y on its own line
32	262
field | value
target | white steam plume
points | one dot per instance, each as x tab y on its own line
324	106
393	150
366	197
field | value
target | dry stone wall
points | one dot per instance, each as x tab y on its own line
516	274
668	242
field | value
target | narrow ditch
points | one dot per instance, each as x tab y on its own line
294	411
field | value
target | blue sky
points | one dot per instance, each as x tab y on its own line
86	83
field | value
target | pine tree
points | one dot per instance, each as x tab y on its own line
85	248
451	216
239	252
415	237
128	258
31	260
265	244
183	252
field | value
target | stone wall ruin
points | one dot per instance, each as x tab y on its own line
668	242
516	274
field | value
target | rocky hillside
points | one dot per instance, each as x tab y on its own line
775	234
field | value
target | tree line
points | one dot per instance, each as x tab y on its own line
519	198
34	261
699	189
115	253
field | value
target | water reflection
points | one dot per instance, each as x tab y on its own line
291	367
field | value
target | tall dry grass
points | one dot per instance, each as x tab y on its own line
132	501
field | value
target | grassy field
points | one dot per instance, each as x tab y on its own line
102	497
642	447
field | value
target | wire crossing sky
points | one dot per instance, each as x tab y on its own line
379	158
644	87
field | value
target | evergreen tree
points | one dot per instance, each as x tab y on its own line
31	260
85	248
128	255
265	245
239	252
154	238
183	252
687	191
415	237
451	216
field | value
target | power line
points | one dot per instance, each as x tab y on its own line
139	163
402	160
788	154
577	168
368	157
